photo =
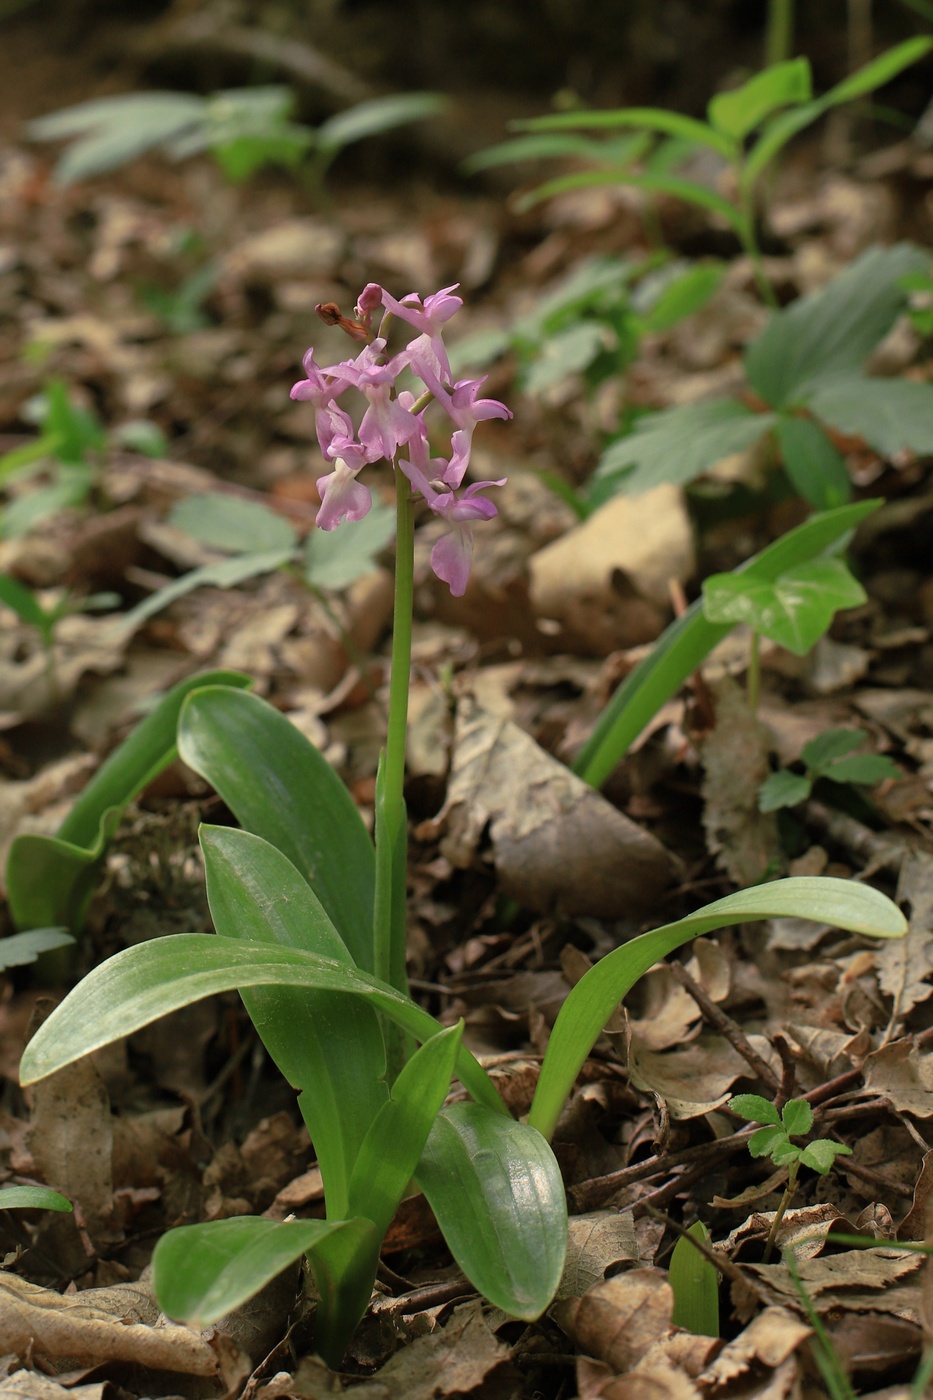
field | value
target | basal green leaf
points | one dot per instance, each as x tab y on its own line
657	119
224	573
678	444
794	611
591	1002
736	114
496	1190
834	329
50	880
380	114
229	523
695	1284
280	787
389	1154
32	1198
891	415
336	558
797	1117
755	1109
691	637
328	1046
814	467
142	983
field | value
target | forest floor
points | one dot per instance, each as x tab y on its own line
162	296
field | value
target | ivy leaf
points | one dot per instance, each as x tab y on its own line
794	611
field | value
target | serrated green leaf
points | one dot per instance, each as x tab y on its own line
783	1153
678	444
32	1198
755	1109
281	788
496	1190
765	1141
821	1154
834	329
891	415
594	998
783	789
795	611
695	1284
814	467
336	558
797	1117
236	526
736	114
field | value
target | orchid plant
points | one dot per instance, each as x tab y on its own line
310	916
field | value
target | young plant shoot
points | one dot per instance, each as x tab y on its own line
309	914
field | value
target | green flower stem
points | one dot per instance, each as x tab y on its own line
391	818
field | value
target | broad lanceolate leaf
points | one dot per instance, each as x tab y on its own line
202	1272
814	467
678	444
737	113
114	130
695	1284
140	984
232	524
32	1198
279	786
496	1190
328	1045
657	119
794	611
50	880
390	1152
691	637
591	1002
891	415
834	329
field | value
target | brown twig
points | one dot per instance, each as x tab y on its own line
727	1028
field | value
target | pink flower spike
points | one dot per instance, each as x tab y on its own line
342	497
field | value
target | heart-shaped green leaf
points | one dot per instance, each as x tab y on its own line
794	611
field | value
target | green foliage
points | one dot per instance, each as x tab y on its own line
32	1198
793	610
831	755
66	452
691	637
774	1140
244	129
695	1284
804	366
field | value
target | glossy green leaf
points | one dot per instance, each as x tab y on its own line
695	1285
50	879
794	611
679	444
142	983
327	1045
891	415
691	637
280	787
229	523
833	329
842	903
390	1152
32	1198
736	114
202	1272
815	468
755	1109
496	1190
797	1117
657	119
19	949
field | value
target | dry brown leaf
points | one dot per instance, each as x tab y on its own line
460	1359
71	1140
29	1385
767	1344
620	1318
596	1241
735	764
596	1381
905	965
904	1074
37	1322
557	846
868	1280
695	1080
667	1013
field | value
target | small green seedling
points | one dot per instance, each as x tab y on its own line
831	755
774	1141
243	129
45	618
32	1198
794	610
